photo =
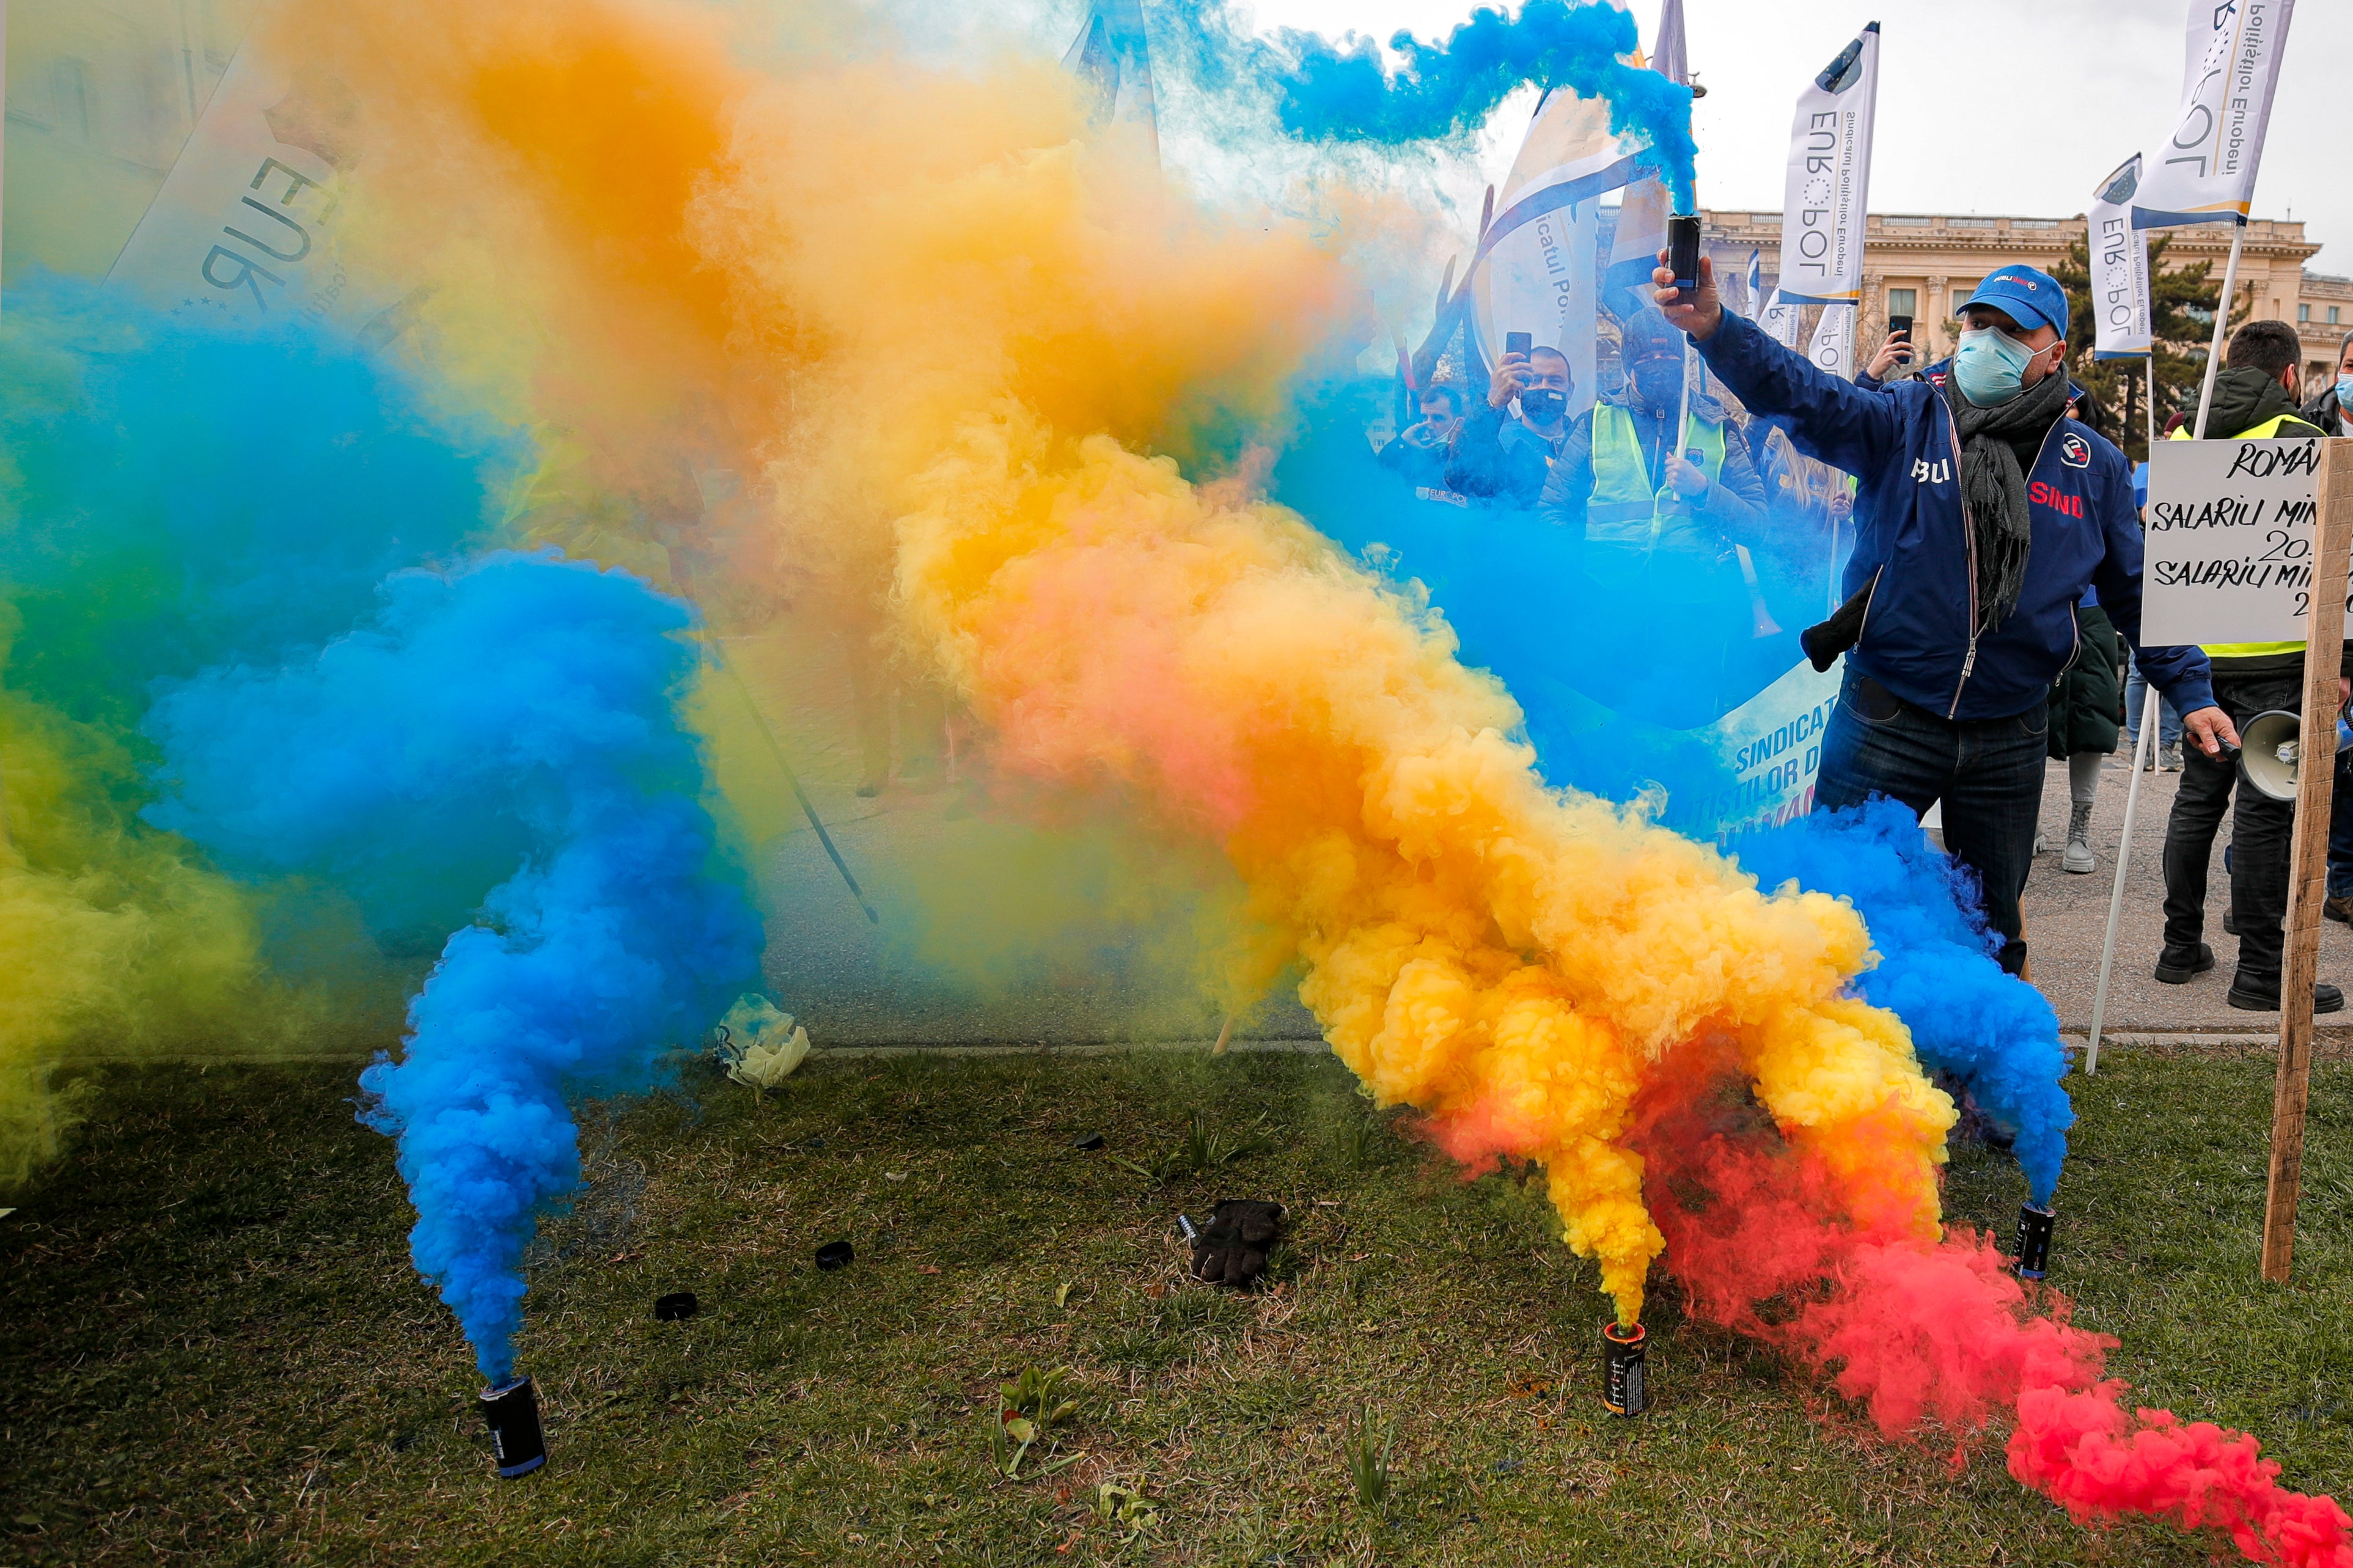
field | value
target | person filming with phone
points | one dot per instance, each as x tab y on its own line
1893	351
1982	516
1663	492
1501	457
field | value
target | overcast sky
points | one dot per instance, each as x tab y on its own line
1998	106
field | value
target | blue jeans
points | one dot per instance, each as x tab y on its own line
2168	722
1988	772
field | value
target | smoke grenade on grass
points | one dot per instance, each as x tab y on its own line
498	752
517	1445
2033	1241
1624	1389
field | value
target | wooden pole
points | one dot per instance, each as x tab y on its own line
2315	777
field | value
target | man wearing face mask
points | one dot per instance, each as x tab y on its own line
1663	493
2332	410
1982	515
1500	458
1637	486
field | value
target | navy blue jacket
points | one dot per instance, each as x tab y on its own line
1916	552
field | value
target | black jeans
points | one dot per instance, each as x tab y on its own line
2259	827
1988	772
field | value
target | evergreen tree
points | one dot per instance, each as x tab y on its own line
2181	312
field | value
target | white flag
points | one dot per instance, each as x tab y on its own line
2119	255
1537	263
2205	172
1827	191
1110	52
1779	321
1833	350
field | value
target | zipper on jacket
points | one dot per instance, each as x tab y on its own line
1969	537
1969	528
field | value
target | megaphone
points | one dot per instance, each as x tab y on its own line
2268	748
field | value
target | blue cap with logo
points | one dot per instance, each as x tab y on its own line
2033	299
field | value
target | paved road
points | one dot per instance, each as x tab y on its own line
2067	915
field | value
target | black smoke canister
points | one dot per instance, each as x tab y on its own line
2033	1241
1682	254
1622	1392
513	1411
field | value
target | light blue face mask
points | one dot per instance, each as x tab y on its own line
2344	396
1990	366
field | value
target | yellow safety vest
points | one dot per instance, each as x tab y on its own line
1622	479
2263	431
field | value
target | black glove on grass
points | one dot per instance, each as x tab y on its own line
1234	1244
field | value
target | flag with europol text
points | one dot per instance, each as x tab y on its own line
1827	194
1832	348
2204	171
2119	268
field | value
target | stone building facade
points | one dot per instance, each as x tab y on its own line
1923	265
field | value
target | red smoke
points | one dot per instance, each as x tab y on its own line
1938	1334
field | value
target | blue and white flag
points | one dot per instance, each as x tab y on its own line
2120	254
1827	191
2205	171
1755	282
1537	269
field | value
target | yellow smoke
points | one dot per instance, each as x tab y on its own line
114	944
948	323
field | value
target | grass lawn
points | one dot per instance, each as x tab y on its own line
214	1349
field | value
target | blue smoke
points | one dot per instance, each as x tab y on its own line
1340	92
1613	694
1992	1033
498	751
174	496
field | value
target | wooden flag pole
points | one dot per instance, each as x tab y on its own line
2315	777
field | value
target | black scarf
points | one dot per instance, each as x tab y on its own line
1993	486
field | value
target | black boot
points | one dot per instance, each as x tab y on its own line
2259	996
2179	965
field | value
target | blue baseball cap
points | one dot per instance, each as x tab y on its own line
2032	299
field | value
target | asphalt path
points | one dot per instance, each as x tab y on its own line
2066	917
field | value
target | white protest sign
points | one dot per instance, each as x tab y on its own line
2228	553
1832	349
1772	747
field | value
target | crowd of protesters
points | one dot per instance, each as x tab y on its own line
1983	636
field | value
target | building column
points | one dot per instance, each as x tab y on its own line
1932	314
1870	318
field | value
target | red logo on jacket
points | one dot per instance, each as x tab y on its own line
2041	493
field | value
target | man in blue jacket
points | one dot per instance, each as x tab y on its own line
1983	514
